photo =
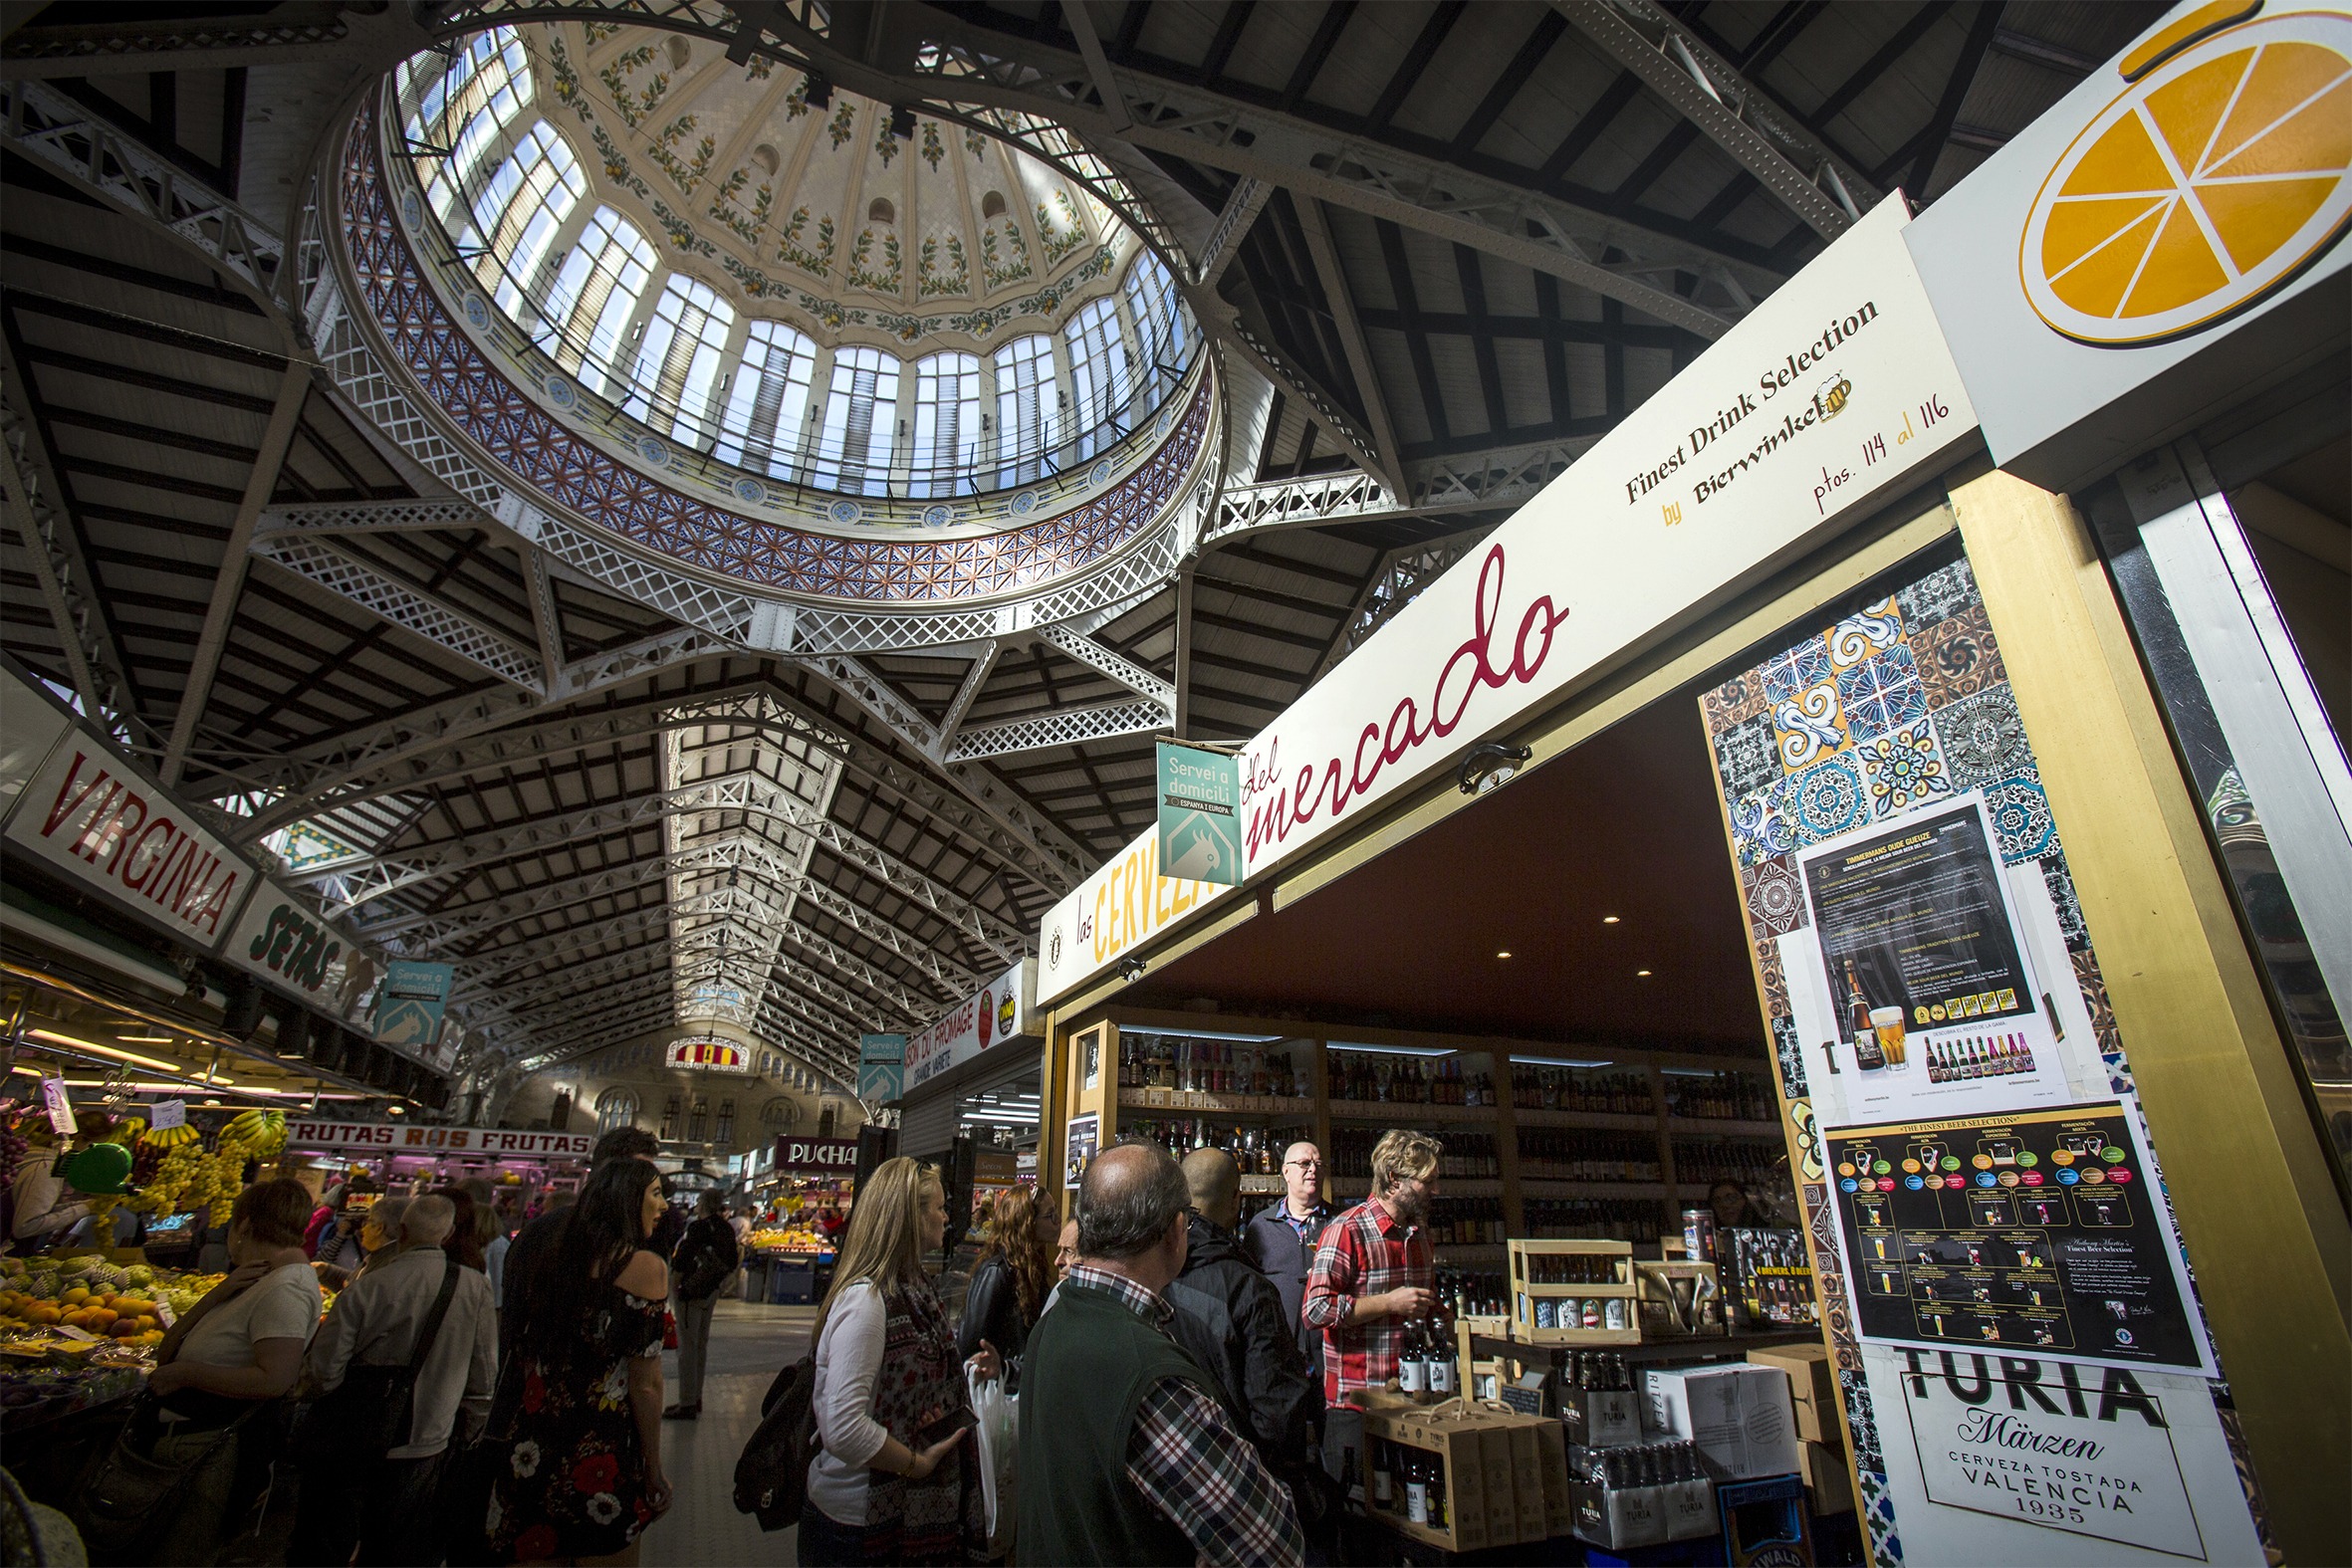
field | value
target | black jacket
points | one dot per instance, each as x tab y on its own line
1274	1248
1229	1318
992	1311
706	1256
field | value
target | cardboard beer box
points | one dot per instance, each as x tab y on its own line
1823	1467
1739	1416
1560	1505
1813	1388
1602	1418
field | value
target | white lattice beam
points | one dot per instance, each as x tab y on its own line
1248	200
414	609
1086	650
1070	727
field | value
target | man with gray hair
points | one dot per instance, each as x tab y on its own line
415	1332
1145	1466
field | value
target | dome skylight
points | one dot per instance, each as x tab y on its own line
832	296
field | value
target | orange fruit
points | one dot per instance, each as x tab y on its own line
2202	188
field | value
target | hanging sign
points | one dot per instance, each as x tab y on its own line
709	1054
93	816
881	1066
410	1005
996	1012
59	1107
167	1114
281	940
401	1138
821	1156
1200	794
2160	243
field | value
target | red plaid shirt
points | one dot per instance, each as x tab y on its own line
1364	1252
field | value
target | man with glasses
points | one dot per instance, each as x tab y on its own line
1281	1242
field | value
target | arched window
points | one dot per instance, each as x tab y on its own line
678	360
825	1122
460	115
947	424
516	213
615	1107
1099	367
1025	408
698	1120
1159	320
854	447
594	297
780	1113
761	429
724	1137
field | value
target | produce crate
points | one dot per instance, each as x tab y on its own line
1494	1467
1530	1272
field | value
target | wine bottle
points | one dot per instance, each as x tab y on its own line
1867	1055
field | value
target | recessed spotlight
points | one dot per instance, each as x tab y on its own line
1503	953
1641	973
1609	920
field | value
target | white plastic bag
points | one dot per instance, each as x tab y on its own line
994	1443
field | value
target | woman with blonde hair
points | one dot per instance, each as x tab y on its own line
1012	1277
889	1483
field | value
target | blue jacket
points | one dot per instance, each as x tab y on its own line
1268	1242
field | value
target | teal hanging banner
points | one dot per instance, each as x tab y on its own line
881	1066
1200	815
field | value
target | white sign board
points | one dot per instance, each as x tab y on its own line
29	726
167	1114
1831	394
2136	258
96	818
996	1012
1124	904
2014	1459
401	1138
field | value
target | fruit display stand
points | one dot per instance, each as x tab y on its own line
77	1331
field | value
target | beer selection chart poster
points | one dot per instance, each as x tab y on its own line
2040	1234
1912	925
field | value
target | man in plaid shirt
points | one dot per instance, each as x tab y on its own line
1135	1460
1374	1271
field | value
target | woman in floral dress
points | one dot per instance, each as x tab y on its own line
583	1477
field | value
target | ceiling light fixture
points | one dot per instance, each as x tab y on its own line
1609	920
1641	973
1503	953
71	1044
146	1039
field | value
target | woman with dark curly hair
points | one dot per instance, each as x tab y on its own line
583	1477
1012	1276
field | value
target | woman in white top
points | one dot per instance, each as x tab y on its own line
241	1346
889	1484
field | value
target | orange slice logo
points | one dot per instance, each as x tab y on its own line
2204	186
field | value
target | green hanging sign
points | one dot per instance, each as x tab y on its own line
1200	815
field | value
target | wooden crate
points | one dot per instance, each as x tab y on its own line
1493	1464
1527	1270
1473	1367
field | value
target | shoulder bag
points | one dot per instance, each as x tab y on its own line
370	1413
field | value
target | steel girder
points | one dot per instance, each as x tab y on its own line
745	852
1067	727
1505	477
971	742
1707	90
1241	209
1401	576
365	880
1301	389
1086	650
411	609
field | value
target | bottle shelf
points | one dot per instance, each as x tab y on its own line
1199	1102
1595	1121
1556	1187
1401	1113
1696	1126
1357	1187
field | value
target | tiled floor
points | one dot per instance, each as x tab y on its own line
748	1344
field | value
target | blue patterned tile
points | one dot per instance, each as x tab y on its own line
1904	768
1786	674
1826	800
1759	828
1744	757
1808	727
1882	693
2021	817
2059	878
1864	635
1984	739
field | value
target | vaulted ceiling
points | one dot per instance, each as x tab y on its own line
1442	248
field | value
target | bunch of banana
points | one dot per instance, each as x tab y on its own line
258	1133
168	1137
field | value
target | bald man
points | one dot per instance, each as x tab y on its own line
1281	1240
1229	1318
1144	1461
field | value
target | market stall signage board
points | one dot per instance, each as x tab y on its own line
29	726
1000	1010
90	814
411	1002
401	1138
821	1155
1831	394
2104	292
1123	905
283	940
1200	795
881	1066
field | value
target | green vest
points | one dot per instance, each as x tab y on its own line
1088	1364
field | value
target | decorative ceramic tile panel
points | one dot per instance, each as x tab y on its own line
1775	898
1746	757
1956	657
1984	739
1903	768
1881	694
1808	727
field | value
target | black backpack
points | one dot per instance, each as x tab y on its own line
772	1477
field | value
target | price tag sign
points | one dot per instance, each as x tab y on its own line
68	1331
168	1114
61	1109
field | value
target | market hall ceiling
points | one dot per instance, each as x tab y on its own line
1436	250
